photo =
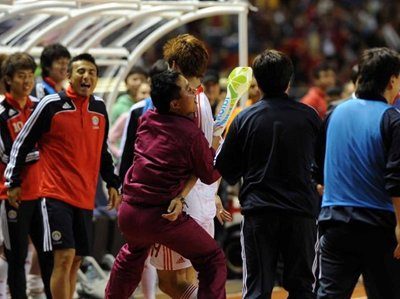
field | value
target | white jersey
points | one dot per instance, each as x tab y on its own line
201	199
163	258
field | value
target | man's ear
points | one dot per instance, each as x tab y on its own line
7	79
174	105
391	82
394	78
174	66
287	88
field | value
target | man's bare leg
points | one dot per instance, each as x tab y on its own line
61	276
177	283
74	273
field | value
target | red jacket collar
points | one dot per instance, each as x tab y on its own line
15	104
318	91
199	90
72	94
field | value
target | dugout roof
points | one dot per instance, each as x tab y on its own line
116	33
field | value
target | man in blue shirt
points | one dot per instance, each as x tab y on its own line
361	201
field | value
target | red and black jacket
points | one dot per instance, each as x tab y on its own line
12	120
71	133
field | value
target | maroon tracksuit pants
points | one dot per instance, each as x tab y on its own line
144	226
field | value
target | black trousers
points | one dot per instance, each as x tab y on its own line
26	221
264	237
348	250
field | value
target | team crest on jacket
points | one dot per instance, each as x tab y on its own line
12	214
56	235
95	122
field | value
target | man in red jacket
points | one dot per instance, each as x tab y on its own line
324	78
71	131
169	149
24	218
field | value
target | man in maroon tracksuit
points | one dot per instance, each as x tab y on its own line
169	149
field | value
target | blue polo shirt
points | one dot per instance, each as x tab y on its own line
355	161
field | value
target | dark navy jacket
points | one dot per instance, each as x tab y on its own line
271	146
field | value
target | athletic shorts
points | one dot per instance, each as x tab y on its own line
29	219
70	227
163	258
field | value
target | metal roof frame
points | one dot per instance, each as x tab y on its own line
82	25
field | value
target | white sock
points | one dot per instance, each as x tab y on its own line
35	284
190	292
3	277
149	279
28	260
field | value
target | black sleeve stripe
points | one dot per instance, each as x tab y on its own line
3	141
139	105
125	132
25	131
32	156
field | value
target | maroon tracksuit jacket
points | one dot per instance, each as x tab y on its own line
169	148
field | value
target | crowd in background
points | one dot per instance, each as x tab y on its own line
310	32
322	38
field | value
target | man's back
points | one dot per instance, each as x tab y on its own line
275	142
355	161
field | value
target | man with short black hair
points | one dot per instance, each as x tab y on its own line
3	262
270	145
24	218
187	54
212	89
70	129
169	148
54	62
324	78
360	215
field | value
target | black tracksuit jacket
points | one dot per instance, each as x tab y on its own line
271	146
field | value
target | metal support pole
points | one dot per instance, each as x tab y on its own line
243	46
